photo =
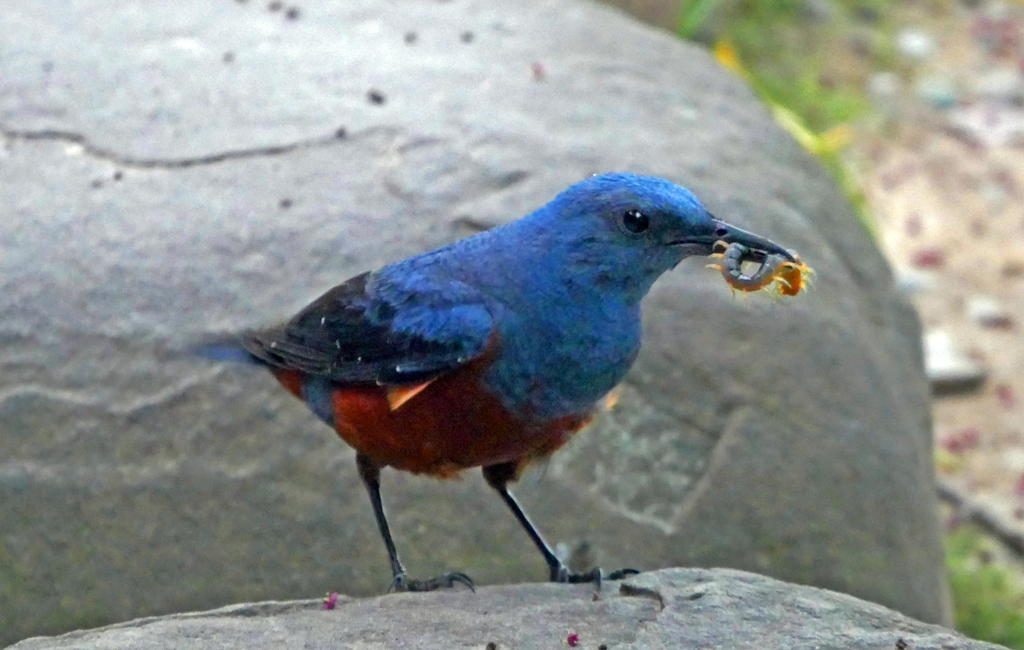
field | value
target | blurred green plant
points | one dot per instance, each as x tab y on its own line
988	596
783	43
693	15
816	115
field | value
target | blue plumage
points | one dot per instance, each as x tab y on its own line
564	286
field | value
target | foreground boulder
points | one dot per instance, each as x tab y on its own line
174	170
673	608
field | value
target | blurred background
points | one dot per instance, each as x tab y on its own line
917	107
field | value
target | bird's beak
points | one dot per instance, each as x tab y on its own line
760	247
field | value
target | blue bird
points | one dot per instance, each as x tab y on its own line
492	351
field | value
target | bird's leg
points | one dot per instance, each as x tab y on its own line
498	477
369	471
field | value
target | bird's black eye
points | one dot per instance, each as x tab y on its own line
635	221
721	232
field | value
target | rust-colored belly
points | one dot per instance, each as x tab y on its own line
454	423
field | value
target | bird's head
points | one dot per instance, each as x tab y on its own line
628	229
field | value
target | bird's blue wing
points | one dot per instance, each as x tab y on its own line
367	331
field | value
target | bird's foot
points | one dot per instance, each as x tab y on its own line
404	583
561	573
621	574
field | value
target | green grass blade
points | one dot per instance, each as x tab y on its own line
694	15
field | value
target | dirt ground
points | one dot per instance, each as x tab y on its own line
942	168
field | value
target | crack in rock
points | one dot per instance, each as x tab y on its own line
20	475
627	589
95	151
85	399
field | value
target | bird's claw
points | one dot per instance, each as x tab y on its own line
404	583
562	574
621	573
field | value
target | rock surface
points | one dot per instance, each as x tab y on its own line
673	608
173	170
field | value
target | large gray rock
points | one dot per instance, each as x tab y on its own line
157	190
681	609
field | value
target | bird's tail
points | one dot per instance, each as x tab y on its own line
225	349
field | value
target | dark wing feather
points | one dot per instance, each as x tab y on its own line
352	336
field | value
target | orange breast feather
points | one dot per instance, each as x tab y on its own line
444	426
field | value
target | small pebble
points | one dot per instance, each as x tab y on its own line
293	13
275	6
410	37
912	281
118	175
376	97
915	44
285	204
341	133
467	37
988	124
229	57
949	370
988	312
928	258
539	73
